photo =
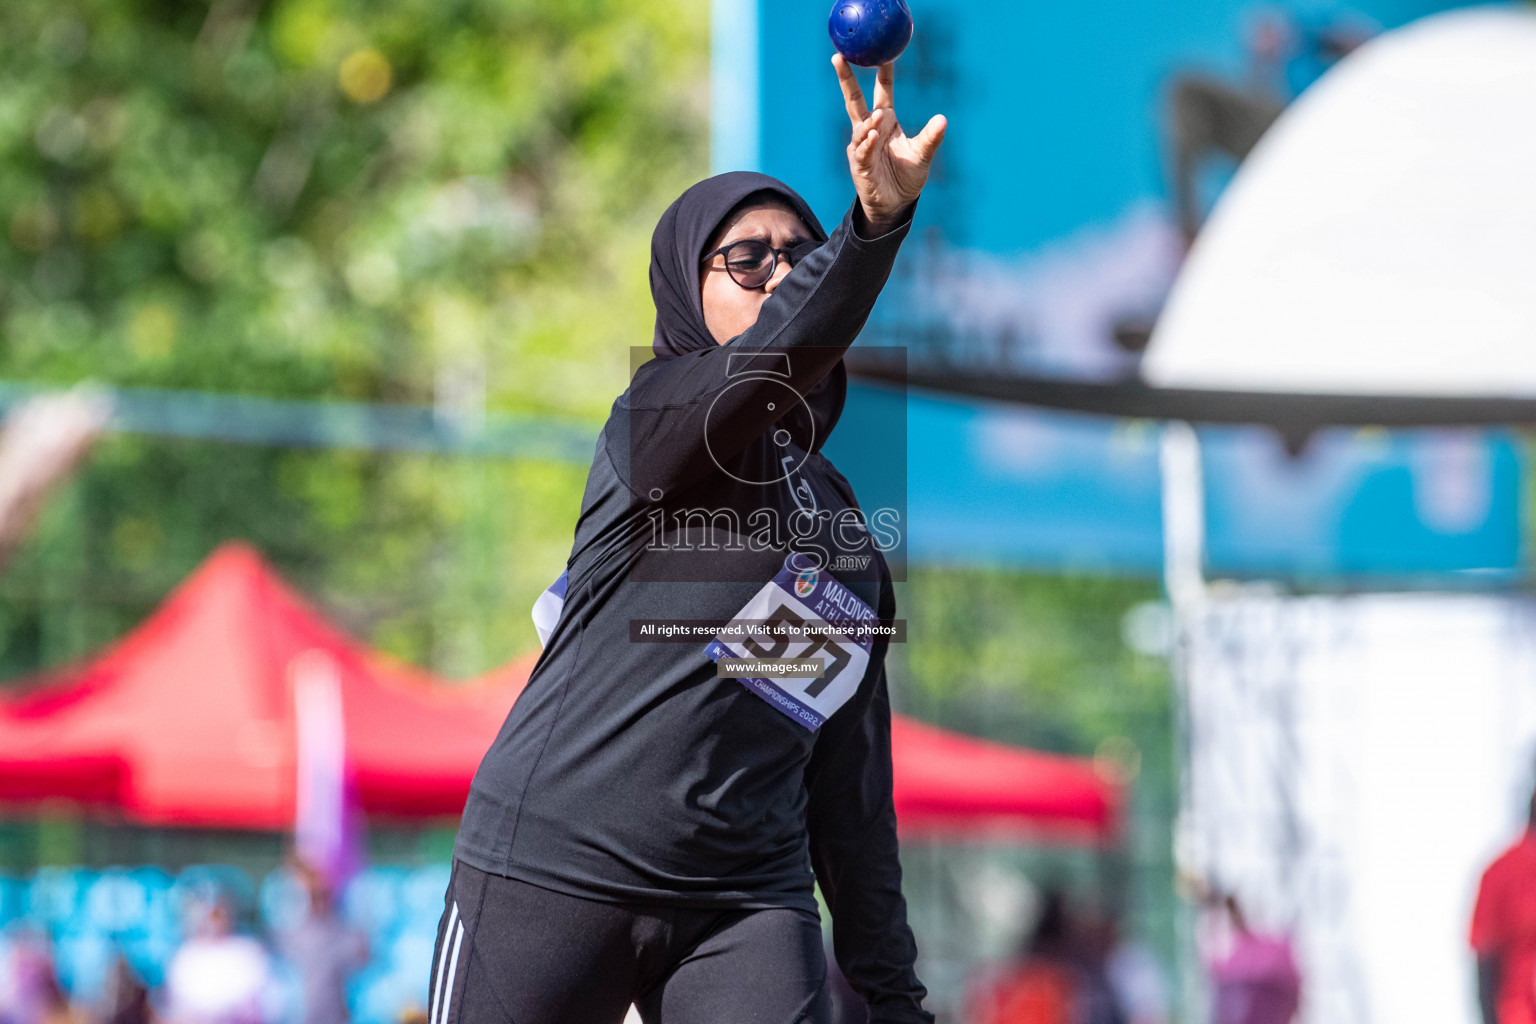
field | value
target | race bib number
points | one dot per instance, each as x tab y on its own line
801	613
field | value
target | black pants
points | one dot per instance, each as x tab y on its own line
513	953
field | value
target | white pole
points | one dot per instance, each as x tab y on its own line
1183	499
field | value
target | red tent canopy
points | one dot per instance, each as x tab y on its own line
190	720
948	784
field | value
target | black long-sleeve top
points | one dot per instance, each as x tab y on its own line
627	770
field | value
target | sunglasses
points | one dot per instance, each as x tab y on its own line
752	261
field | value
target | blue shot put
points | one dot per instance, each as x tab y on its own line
870	32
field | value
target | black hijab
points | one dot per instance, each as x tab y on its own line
676	247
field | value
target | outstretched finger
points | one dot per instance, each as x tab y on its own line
876	119
853	96
864	150
885	86
927	140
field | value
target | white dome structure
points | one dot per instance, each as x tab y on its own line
1381	239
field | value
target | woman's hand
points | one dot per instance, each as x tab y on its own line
889	169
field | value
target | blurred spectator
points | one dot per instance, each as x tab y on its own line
1208	116
1504	932
1254	977
29	987
325	952
1058	979
125	1000
1140	986
1097	938
217	976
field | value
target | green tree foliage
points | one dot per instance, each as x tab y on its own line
1029	659
431	201
1044	661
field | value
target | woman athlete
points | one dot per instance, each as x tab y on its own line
648	824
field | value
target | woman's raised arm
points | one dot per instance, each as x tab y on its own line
656	434
888	167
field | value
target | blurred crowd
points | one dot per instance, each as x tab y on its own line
1077	967
218	975
1074	967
